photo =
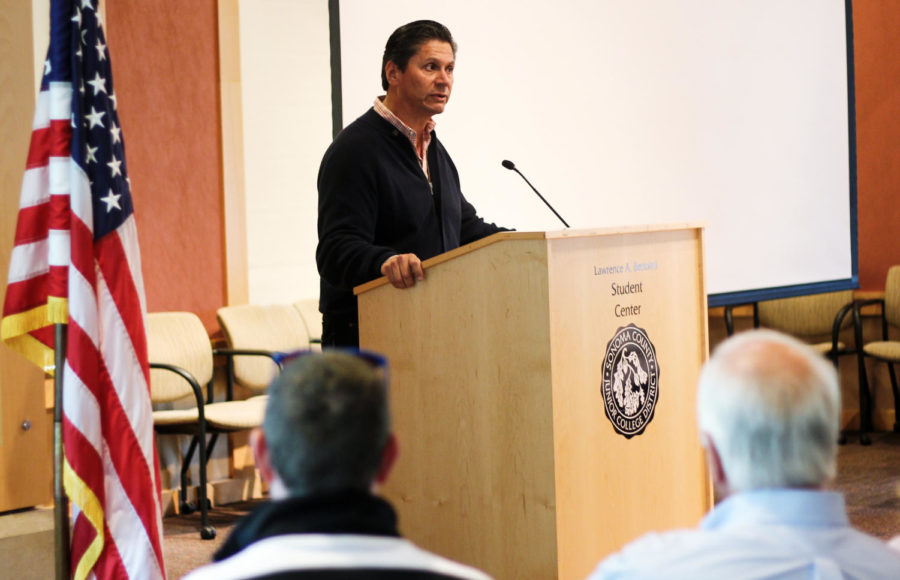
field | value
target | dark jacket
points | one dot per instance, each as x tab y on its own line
375	202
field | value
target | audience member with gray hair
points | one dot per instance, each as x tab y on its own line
768	410
324	448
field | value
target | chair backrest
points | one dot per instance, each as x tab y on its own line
805	316
177	338
275	327
892	296
312	318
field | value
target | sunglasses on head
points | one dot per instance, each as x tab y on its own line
375	360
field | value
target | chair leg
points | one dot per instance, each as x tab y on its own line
207	532
896	391
186	507
212	443
865	403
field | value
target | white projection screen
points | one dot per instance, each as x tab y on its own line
732	113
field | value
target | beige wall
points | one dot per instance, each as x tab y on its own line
21	383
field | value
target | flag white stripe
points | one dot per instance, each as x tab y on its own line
80	201
59	175
125	372
82	306
60	101
41	118
127	529
28	260
82	409
60	247
127	233
35	187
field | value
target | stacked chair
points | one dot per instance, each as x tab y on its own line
821	320
181	365
181	377
262	330
884	349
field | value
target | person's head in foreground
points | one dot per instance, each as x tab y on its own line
324	447
768	412
327	427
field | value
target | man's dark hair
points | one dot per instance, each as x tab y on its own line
408	39
327	423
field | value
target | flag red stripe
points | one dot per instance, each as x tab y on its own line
60	137
59	281
83	533
33	224
82	256
110	564
26	294
124	450
45	335
89	465
39	150
113	264
113	261
59	212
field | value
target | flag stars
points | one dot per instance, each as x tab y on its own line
115	166
112	98
101	50
91	157
47	67
99	84
77	17
112	201
116	133
87	5
95	118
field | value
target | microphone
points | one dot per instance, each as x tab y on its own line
512	167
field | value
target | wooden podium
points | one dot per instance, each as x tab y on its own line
543	392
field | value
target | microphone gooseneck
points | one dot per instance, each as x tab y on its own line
512	167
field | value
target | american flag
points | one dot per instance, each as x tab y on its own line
76	260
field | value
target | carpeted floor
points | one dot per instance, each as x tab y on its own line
869	477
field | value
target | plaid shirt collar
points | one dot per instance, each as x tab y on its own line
394	120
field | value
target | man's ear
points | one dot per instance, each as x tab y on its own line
388	459
714	461
392	72
260	447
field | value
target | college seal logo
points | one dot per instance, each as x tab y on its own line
630	381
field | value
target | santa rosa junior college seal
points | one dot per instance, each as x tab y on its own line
630	381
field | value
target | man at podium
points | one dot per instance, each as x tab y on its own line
389	193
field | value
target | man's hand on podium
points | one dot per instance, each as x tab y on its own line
403	270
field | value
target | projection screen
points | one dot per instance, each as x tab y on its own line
734	114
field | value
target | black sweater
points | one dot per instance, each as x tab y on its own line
375	202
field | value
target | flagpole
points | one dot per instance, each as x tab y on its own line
60	500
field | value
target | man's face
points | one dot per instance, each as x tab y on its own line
424	87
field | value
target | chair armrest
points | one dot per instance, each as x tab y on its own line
195	386
729	316
230	354
848	308
858	305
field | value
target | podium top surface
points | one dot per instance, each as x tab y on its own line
547	235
